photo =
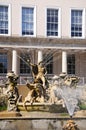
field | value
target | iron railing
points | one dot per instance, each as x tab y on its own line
25	79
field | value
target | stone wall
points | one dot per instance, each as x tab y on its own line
41	124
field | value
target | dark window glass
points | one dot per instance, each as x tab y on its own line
3	19
52	22
27	21
71	64
76	23
3	63
24	67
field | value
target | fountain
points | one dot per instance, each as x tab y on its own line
62	91
12	95
65	87
70	98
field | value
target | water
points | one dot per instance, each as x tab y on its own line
46	58
71	97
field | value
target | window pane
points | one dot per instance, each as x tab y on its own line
71	64
52	22
24	67
76	23
48	59
3	63
27	21
3	20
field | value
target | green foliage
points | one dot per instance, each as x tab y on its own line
64	114
3	103
3	108
82	106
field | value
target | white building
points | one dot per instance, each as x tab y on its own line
53	31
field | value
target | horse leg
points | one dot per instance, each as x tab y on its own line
33	100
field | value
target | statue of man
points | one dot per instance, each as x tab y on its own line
12	91
39	72
12	81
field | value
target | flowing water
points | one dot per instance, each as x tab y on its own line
71	97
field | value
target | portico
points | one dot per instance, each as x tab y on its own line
36	48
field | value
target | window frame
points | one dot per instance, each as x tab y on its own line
9	18
25	67
49	66
83	23
59	22
5	60
72	64
34	16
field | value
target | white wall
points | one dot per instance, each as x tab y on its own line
41	6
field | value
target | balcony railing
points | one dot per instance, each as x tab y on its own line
25	79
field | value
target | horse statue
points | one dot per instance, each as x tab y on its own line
37	89
35	93
60	81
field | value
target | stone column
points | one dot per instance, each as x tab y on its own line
14	61
40	56
64	61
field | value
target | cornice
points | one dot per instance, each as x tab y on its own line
28	42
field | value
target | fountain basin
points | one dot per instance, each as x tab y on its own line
39	121
46	107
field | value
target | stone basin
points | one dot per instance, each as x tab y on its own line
37	120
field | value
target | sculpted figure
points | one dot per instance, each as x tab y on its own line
69	80
36	93
11	82
60	81
39	72
71	125
37	89
55	92
12	91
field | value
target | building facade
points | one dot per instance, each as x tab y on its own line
52	31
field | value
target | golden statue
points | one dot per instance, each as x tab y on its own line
70	125
39	72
